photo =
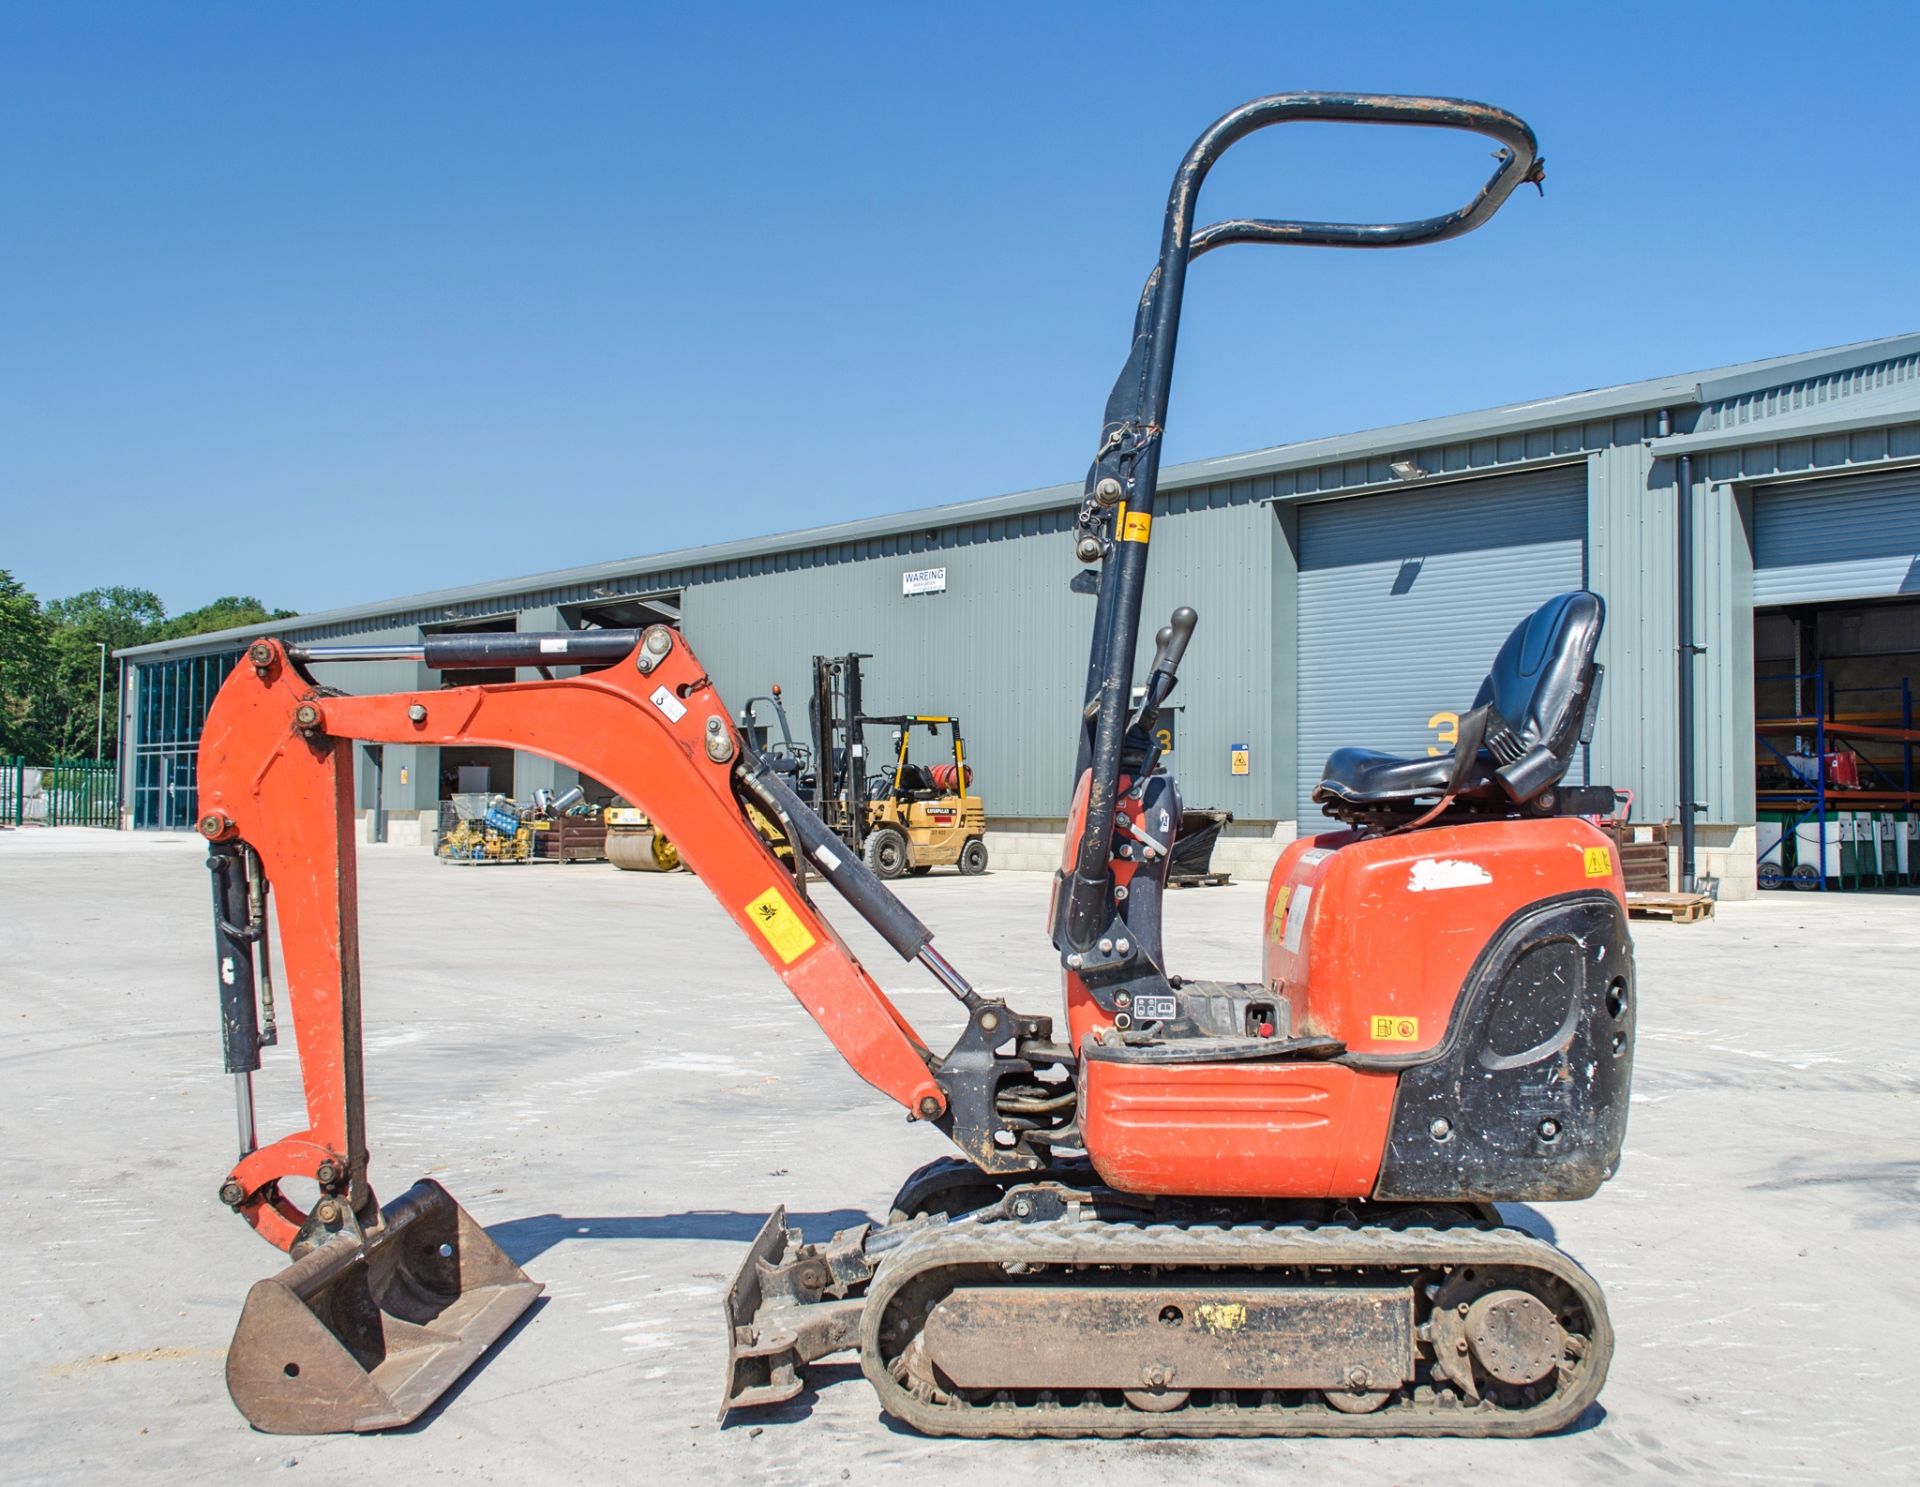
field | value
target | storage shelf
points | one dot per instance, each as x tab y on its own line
1840	800
1837	728
1815	802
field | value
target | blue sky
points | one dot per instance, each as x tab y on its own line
331	303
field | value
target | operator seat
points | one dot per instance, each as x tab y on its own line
1528	717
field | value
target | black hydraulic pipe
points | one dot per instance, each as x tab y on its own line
493	649
530	648
1096	669
892	920
1125	474
233	959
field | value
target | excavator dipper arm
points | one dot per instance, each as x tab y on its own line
276	775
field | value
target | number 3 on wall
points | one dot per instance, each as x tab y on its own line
1446	728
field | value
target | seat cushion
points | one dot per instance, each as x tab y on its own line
1367	776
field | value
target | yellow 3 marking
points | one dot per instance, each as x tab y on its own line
1393	1029
1599	862
774	917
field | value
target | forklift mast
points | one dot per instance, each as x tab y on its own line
834	714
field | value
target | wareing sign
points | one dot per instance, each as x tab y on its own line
924	581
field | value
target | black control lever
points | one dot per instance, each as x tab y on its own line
1169	646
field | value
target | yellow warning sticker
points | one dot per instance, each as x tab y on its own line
774	917
1222	1316
1599	862
1135	526
1279	926
1394	1029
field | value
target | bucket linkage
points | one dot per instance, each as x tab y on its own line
381	1308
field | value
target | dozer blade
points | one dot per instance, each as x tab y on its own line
366	1334
777	1319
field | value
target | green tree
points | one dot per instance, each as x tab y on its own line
51	691
25	660
120	616
223	614
113	617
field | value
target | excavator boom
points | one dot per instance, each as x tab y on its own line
276	806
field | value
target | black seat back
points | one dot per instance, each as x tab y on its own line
1539	692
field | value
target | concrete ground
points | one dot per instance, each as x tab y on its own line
601	1069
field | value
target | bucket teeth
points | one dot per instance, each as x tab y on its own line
362	1335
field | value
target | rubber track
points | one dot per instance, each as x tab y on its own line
1252	1246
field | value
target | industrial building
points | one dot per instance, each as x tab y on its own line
1754	530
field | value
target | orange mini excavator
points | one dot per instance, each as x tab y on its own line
1201	1207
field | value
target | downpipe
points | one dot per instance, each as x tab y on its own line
1689	807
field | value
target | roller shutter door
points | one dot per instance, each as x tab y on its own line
1857	537
1404	599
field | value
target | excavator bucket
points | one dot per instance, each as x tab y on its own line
365	1334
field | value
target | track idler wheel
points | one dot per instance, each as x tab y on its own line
1502	1334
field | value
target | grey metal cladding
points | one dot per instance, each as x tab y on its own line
1454	444
1004	646
1828	389
1853	537
1405	598
1631	554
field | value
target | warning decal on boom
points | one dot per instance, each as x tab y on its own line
774	918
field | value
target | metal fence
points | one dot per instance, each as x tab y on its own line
76	792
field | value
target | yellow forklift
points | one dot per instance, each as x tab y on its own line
909	818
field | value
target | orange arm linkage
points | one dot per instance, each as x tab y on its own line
276	772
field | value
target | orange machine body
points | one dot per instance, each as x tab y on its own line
1371	940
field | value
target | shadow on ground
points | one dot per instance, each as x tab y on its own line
1529	1220
474	1370
525	1238
814	1378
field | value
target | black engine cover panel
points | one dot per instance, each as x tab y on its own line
1527	1097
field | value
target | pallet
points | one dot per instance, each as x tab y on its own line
571	839
1681	908
1644	867
1199	880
